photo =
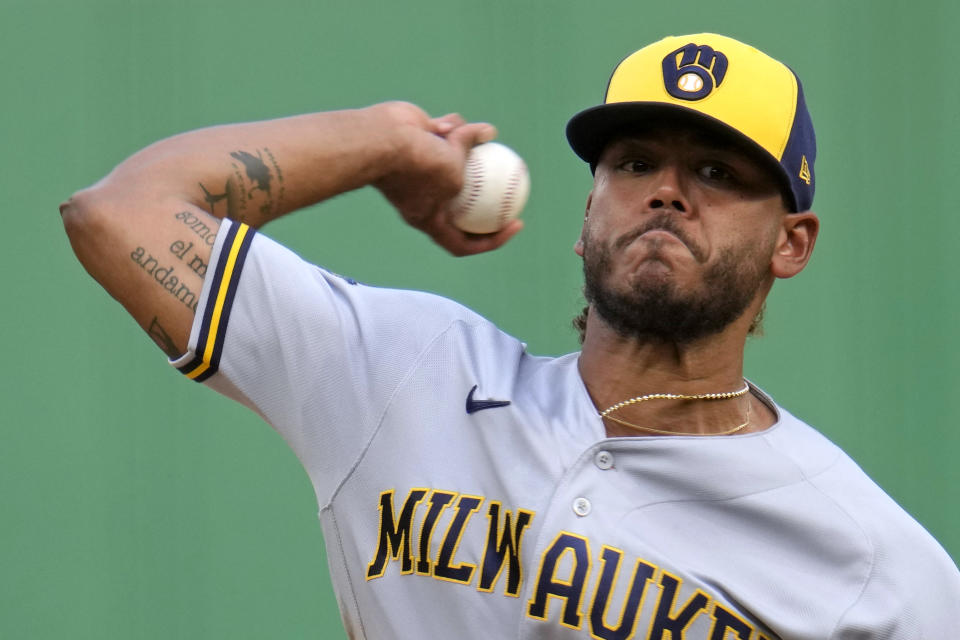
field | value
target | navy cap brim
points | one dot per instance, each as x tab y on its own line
589	132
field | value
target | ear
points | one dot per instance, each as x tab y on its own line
578	245
795	243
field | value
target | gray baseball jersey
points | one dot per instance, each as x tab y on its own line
467	489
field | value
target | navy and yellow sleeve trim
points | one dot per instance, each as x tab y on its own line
216	311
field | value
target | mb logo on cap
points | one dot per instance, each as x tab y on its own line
696	74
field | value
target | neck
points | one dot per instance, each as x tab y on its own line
615	368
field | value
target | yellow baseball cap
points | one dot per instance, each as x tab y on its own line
717	80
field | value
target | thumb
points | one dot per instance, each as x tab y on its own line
470	135
445	124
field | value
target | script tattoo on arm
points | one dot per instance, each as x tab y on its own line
181	268
254	192
163	339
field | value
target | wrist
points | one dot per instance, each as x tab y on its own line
399	127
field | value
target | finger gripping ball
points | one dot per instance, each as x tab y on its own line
495	189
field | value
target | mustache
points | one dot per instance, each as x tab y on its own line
661	222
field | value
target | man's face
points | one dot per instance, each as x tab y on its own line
679	234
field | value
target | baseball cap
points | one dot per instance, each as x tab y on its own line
720	82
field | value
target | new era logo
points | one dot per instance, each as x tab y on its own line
804	170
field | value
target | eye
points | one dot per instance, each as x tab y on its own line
716	173
634	166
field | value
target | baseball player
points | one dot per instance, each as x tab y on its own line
639	488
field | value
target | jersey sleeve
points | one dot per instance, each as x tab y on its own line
317	355
912	592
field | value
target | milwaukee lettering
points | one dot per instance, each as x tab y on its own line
592	587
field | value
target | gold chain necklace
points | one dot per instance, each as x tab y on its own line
683	433
679	396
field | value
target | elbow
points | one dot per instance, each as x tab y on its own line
88	215
89	210
78	211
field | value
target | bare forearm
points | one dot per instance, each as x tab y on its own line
255	172
145	231
154	217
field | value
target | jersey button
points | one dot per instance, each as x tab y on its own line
603	460
581	507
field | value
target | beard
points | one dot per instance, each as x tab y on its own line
655	309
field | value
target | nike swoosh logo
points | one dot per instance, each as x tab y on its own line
479	405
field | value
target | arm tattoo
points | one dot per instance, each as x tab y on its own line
178	278
213	198
166	274
163	339
281	188
252	174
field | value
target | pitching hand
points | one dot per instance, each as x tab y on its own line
428	174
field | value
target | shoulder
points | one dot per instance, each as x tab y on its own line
911	580
835	475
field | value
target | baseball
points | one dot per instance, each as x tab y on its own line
495	188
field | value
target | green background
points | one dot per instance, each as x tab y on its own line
134	504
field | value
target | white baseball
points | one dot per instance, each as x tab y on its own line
495	188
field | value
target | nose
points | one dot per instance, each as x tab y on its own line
668	192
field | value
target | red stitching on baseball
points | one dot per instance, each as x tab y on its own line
474	178
509	193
